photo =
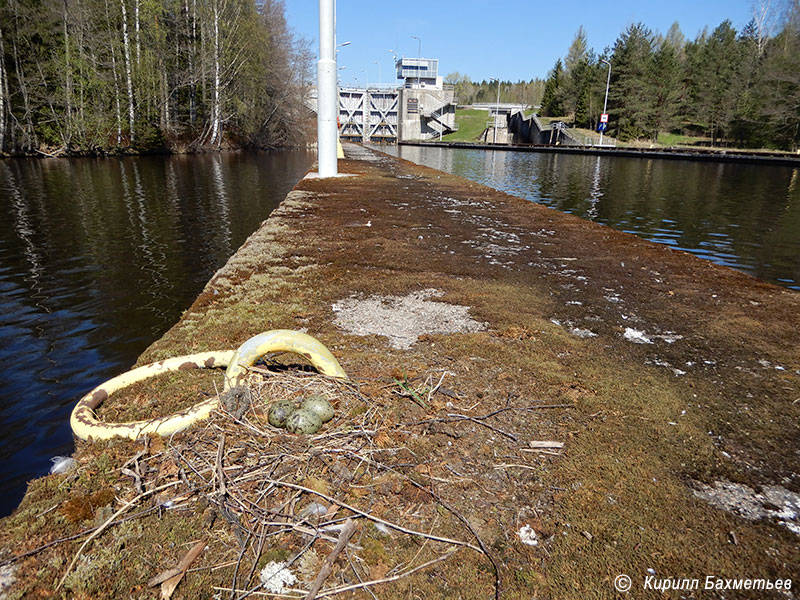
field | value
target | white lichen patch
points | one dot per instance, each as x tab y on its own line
528	536
660	362
582	333
403	319
670	337
636	336
275	577
7	579
772	502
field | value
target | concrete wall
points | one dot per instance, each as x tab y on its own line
529	130
414	103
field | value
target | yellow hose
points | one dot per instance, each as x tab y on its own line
86	425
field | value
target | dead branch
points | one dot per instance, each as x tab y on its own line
347	532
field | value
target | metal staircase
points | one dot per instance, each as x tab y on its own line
435	117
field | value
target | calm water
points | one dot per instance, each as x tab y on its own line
98	258
743	216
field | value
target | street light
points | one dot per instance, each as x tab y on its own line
342	45
419	56
605	102
394	54
497	109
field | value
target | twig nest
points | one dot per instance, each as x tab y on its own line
303	421
279	412
320	406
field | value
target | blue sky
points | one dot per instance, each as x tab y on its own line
512	39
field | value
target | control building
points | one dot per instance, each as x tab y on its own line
421	107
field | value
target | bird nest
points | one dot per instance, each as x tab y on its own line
273	503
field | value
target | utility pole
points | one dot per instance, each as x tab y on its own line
394	66
326	92
419	56
497	107
605	102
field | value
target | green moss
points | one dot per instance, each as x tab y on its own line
273	554
92	571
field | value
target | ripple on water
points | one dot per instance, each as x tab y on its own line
97	259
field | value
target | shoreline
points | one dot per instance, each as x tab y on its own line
129	152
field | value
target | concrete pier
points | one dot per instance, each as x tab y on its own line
595	403
782	159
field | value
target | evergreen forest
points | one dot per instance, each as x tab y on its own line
732	88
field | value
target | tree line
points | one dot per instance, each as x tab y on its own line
103	75
472	92
735	88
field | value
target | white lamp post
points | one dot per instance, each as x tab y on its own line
342	45
605	102
326	92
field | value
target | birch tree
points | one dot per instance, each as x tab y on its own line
3	92
128	71
216	110
86	74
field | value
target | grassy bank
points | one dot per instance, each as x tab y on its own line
471	124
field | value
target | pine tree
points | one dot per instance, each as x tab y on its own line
577	50
582	117
552	99
714	66
666	77
631	94
780	85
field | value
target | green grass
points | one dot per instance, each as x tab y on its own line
676	139
548	120
471	124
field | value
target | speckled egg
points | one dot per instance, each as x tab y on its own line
320	406
279	412
303	421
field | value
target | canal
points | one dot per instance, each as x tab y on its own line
740	215
98	258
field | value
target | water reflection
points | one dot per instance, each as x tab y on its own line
98	257
743	216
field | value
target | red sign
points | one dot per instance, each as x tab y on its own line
604	118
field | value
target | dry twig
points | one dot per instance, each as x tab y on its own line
347	532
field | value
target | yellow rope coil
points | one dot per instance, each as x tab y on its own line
86	425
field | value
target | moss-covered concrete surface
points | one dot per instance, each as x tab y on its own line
663	375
